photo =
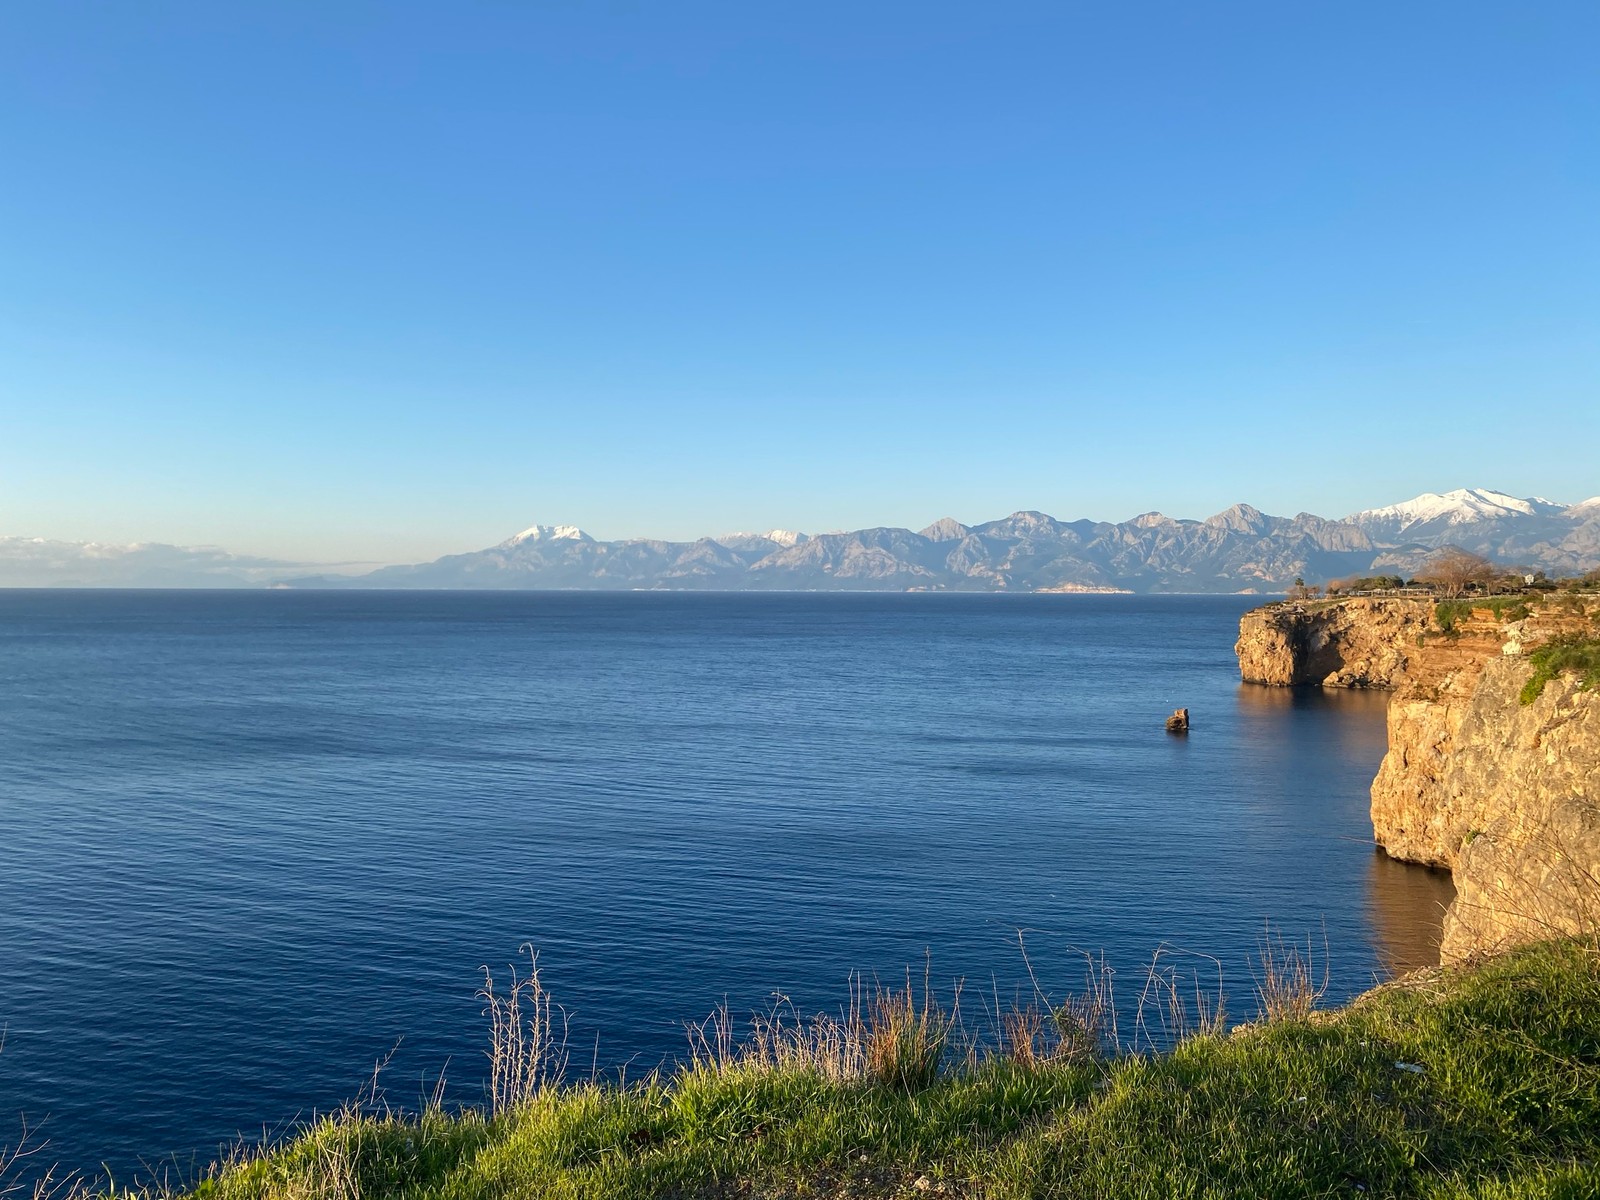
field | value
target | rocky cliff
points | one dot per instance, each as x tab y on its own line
1506	795
1362	642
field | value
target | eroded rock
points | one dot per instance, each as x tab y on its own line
1504	795
1362	642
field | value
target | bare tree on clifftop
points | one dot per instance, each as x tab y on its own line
1453	571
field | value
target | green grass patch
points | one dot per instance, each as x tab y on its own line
1572	652
1476	1083
1447	614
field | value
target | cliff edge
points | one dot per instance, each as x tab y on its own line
1362	642
1502	791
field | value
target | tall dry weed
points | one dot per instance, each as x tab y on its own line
906	1038
1182	996
1288	983
527	1037
884	1035
1546	881
1043	1029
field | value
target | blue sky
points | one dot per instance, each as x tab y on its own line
383	281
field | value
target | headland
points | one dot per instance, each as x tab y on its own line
1493	763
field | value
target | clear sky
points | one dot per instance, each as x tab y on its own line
386	280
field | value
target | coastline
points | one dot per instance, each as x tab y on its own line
804	1169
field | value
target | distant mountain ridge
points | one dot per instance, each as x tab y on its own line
1240	549
41	562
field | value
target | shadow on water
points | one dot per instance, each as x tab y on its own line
1369	702
1406	903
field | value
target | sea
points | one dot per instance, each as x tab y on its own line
256	846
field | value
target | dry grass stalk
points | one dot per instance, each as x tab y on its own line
1286	983
1024	1035
14	1157
1177	1001
1082	1026
884	1035
1087	1022
527	1037
47	1185
832	1047
333	1172
1547	883
906	1038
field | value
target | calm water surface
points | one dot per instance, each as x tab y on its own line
249	841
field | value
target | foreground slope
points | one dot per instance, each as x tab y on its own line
1476	1082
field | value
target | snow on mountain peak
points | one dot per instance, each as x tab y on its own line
548	533
1455	508
783	537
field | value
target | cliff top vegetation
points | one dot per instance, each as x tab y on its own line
1476	1082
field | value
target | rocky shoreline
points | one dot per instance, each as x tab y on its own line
1503	793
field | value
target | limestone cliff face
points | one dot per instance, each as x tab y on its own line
1504	795
1532	869
1362	642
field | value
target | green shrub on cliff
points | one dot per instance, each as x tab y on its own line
1573	652
1448	613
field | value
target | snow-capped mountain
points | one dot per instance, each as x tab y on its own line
548	533
1432	513
1526	531
1240	549
777	537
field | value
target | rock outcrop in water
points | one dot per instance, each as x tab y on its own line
1505	795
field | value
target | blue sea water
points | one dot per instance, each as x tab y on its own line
249	842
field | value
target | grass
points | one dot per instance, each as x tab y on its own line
1446	613
1481	1082
1572	652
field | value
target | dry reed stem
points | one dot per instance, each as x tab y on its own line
1082	1026
882	1035
46	1186
1286	983
1560	871
527	1042
1176	1003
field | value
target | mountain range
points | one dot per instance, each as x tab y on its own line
41	562
1238	550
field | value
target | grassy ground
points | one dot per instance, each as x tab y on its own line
1575	653
1477	1083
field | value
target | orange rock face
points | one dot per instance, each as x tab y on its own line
1505	795
1362	642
